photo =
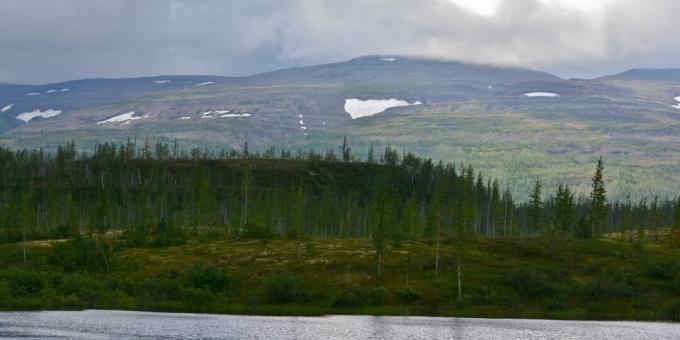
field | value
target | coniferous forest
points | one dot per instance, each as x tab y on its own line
78	228
150	192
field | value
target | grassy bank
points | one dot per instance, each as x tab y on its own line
514	278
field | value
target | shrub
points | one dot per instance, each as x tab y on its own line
530	282
407	295
258	231
283	288
197	296
661	269
608	286
81	254
86	288
5	294
209	278
166	235
24	282
64	231
156	289
673	311
357	296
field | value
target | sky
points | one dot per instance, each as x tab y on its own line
45	41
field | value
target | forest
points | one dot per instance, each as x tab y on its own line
157	193
92	216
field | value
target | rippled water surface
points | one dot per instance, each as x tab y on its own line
95	324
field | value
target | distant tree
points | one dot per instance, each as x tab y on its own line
598	201
642	219
508	207
657	220
409	225
535	208
346	151
564	209
200	196
627	219
383	211
435	217
496	209
675	227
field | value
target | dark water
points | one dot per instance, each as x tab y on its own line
96	324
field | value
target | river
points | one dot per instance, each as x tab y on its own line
101	324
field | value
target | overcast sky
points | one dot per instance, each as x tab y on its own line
53	40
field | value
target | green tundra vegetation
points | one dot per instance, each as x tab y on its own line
152	227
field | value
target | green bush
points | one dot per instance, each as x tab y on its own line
209	278
283	288
530	282
357	296
155	289
5	294
64	231
673	311
197	296
407	295
81	254
660	269
115	299
24	282
258	231
86	288
608	286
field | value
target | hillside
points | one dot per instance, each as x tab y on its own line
517	278
514	124
147	227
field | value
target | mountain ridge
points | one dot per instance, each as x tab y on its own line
513	123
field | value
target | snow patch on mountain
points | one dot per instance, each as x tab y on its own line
6	108
541	94
33	94
27	116
205	83
162	81
232	115
677	106
122	118
361	108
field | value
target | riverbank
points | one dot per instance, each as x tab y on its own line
512	278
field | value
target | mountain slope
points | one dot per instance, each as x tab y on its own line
670	74
514	123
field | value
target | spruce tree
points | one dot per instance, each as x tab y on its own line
675	227
598	202
535	208
564	209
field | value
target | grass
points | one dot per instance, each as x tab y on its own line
512	278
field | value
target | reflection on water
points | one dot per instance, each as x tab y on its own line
95	324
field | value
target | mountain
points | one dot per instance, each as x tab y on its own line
262	108
513	123
669	74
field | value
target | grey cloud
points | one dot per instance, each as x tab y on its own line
52	40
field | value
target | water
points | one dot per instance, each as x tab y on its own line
97	324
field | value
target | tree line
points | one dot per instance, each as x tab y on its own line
158	194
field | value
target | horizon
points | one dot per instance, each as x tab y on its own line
594	77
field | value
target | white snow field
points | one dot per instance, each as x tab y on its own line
362	108
27	116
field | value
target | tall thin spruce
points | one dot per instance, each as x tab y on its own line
598	202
